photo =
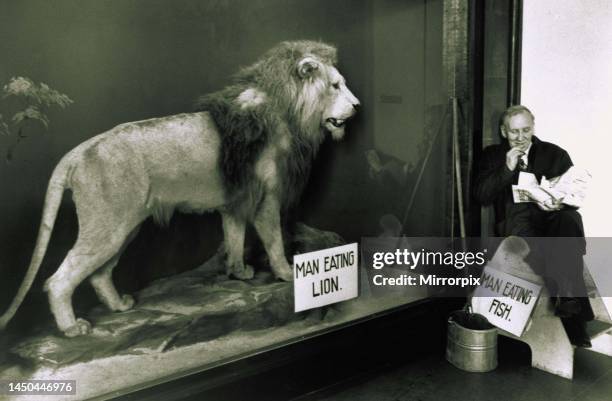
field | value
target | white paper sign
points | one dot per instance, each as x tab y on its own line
505	300
325	277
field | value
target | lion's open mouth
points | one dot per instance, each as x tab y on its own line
338	123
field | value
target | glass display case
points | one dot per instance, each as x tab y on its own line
131	61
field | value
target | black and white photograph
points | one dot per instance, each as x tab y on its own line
402	200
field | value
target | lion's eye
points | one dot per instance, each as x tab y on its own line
336	85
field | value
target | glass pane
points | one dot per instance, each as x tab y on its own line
142	207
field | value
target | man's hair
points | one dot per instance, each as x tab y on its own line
513	111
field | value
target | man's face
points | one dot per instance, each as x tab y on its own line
518	130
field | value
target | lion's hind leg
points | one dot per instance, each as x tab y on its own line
91	250
102	282
233	237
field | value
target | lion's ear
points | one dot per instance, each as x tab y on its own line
307	66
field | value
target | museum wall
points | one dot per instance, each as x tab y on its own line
563	41
129	60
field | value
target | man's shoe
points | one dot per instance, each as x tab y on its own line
582	342
577	332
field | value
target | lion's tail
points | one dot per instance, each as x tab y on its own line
53	199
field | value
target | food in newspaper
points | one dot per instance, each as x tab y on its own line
569	188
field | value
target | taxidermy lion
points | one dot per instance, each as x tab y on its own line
246	153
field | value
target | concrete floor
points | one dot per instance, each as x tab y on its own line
432	378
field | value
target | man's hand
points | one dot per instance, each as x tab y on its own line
550	205
512	158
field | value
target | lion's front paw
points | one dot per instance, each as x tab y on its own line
127	302
80	328
285	274
245	274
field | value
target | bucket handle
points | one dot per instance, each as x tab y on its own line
467	308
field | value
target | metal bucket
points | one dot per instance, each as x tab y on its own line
471	343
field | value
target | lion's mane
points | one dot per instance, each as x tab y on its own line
292	105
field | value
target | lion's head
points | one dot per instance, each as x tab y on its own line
302	76
289	98
323	94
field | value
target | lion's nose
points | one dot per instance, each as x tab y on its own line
356	106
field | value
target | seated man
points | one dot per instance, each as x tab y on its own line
562	255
